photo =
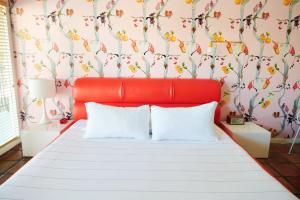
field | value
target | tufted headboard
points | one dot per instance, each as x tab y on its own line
140	91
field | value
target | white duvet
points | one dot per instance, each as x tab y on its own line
74	168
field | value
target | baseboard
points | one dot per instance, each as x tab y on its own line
284	140
9	146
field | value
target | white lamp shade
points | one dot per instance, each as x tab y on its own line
41	88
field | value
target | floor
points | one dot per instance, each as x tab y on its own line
286	168
11	162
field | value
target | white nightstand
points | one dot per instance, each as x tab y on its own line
255	139
36	137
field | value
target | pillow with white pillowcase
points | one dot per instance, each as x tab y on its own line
190	123
117	122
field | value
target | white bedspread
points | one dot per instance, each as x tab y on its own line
74	168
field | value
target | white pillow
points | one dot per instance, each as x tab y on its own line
192	123
117	122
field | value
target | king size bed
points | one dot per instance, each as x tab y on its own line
74	167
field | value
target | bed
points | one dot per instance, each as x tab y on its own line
73	167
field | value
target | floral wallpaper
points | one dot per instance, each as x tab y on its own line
252	47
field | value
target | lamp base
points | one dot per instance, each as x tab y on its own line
44	119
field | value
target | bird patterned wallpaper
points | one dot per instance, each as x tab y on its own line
251	46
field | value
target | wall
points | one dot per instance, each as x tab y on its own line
252	47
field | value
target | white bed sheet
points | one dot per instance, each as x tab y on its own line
73	168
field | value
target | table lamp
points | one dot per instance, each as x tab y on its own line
42	89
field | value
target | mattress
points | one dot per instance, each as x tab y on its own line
124	169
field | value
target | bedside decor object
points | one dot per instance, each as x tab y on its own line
297	133
42	89
63	121
253	138
234	119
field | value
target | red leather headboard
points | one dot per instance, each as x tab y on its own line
139	91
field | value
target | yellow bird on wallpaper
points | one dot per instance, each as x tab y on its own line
121	35
238	2
217	37
38	45
170	36
188	1
287	2
72	34
23	34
